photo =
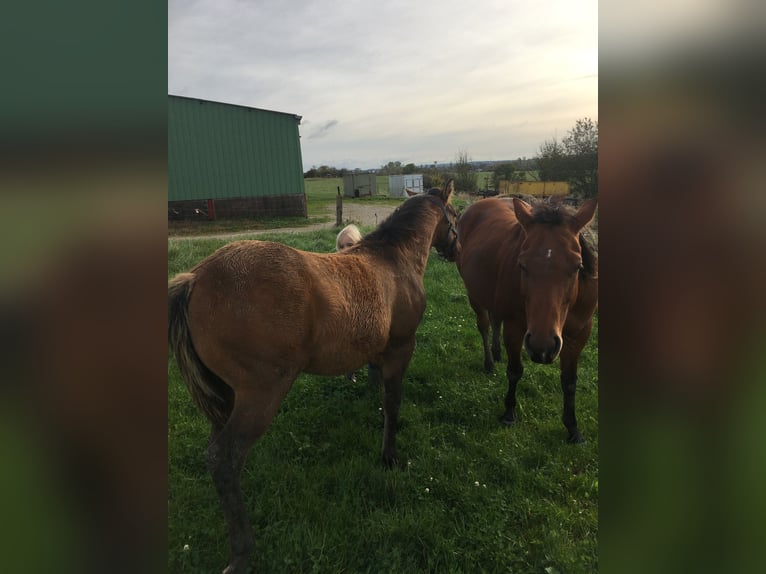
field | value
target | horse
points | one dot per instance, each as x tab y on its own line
248	319
531	271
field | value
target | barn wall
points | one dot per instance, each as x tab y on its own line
240	207
225	152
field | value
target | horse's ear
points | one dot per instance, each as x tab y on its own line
584	215
523	212
449	189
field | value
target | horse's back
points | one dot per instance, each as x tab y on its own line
265	303
244	274
483	218
249	304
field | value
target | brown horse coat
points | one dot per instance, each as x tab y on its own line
248	319
532	272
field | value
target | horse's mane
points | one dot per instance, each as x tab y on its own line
552	213
403	224
556	213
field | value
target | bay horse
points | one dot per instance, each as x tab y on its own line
531	271
248	319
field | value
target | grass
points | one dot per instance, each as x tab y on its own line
321	195
475	496
321	192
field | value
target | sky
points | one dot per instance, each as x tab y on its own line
388	80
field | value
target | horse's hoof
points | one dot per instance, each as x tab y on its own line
236	568
576	438
393	462
508	421
489	368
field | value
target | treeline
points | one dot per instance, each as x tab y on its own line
327	171
574	159
391	168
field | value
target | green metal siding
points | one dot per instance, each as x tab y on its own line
221	151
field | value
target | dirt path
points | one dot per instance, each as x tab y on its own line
360	214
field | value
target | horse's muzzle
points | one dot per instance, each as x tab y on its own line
543	350
450	254
451	251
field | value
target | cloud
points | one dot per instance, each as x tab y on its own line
322	130
415	84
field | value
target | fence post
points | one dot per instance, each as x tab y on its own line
339	209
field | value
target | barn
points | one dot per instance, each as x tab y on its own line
228	160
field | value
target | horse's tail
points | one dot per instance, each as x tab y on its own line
211	394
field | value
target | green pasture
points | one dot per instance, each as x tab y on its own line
474	496
322	192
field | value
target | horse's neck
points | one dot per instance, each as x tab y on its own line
419	247
406	257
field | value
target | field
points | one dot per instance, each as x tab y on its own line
474	496
321	195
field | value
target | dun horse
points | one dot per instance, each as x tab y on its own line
246	321
531	271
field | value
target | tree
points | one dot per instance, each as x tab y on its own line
574	159
552	161
503	171
581	145
465	176
392	168
326	171
432	177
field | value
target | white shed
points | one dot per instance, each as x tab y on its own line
398	183
360	184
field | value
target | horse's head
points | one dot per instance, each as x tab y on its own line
550	262
445	235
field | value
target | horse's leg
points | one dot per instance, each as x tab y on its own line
513	338
496	324
225	456
395	360
570	355
374	376
482	323
215	430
